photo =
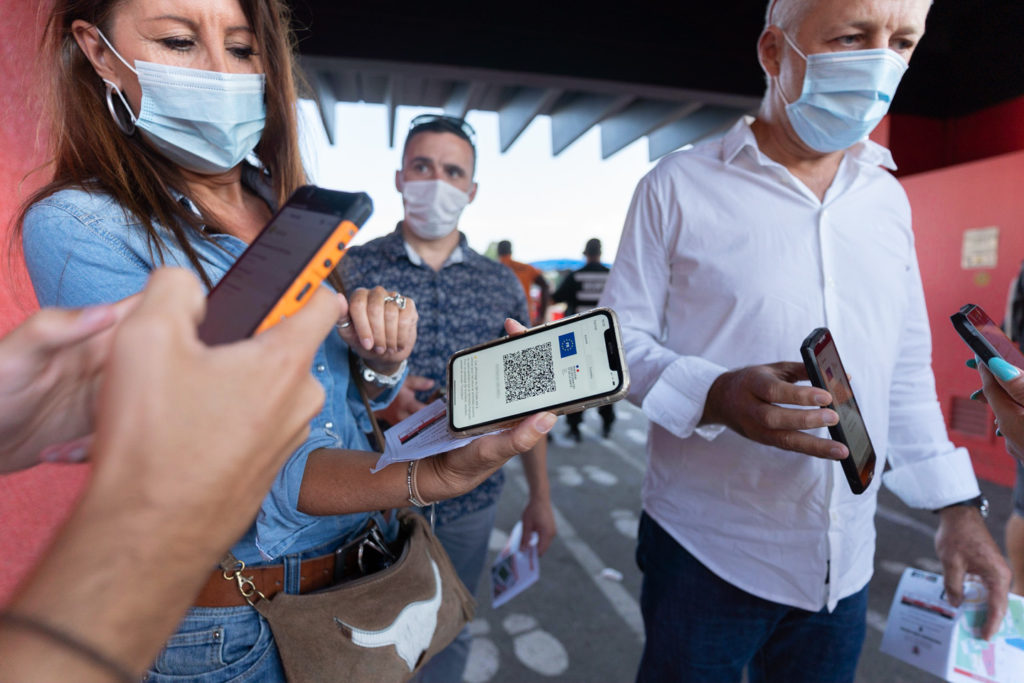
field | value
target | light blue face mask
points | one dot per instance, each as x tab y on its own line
845	96
204	121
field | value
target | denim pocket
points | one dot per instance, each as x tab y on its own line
214	646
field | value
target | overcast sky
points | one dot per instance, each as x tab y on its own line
548	206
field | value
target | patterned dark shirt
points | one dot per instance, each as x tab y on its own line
463	304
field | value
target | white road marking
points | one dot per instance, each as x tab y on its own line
624	604
541	651
479	627
518	623
497	540
633	460
929	564
625	522
892	566
569	476
482	663
904	520
877	621
637	436
600	476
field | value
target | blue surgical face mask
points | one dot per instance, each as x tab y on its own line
845	96
204	121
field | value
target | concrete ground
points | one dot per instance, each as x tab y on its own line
581	622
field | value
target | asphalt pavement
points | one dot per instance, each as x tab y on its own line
581	621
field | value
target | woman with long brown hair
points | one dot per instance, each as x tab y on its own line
175	139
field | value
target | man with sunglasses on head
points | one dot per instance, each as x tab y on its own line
755	552
463	299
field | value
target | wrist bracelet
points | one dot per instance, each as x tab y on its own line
410	482
68	642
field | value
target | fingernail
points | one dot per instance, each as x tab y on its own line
1003	370
822	400
838	452
378	349
367	343
976	396
972	364
831	419
546	422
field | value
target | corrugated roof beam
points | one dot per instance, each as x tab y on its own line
458	101
516	114
325	102
704	121
579	115
638	120
391	98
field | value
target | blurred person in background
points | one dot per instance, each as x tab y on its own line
528	277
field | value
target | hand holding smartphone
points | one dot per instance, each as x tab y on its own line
564	366
984	337
826	371
292	255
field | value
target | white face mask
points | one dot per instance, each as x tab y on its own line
432	207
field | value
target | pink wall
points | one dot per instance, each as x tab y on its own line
945	203
32	503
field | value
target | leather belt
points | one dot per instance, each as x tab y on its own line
315	573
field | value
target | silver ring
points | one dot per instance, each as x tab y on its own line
397	299
344	323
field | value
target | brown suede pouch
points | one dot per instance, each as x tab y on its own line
378	628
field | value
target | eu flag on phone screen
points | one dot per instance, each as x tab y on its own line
567	344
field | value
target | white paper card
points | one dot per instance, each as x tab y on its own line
926	631
422	434
514	570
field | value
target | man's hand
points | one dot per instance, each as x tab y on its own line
746	401
405	402
380	332
540	517
49	371
964	545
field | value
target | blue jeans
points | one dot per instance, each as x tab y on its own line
700	628
465	540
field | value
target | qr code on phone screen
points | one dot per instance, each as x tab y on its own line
529	372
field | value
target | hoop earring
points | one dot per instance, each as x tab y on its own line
126	128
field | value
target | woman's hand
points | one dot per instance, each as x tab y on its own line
380	327
1003	386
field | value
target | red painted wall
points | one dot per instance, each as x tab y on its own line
32	503
945	203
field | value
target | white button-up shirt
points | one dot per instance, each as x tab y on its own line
728	260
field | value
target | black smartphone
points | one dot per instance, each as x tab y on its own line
826	371
563	366
984	337
276	274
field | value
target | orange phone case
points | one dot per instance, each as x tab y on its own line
318	268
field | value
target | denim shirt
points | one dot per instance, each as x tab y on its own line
463	304
81	249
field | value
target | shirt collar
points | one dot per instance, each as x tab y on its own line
396	246
740	137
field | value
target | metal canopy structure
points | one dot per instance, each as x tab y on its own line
625	112
668	71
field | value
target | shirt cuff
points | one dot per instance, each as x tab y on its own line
676	401
936	482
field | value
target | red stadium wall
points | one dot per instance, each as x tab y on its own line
32	503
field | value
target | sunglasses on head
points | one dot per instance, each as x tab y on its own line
456	124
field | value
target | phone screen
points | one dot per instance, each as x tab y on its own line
834	377
994	335
555	366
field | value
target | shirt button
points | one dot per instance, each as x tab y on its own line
329	425
830	282
321	367
835	516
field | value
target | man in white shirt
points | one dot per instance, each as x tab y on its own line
753	547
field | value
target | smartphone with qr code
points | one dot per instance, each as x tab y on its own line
985	338
277	274
564	366
826	371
